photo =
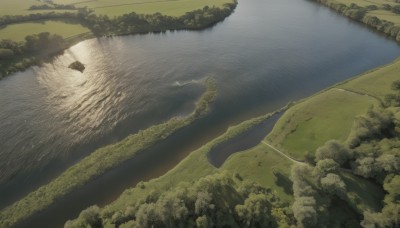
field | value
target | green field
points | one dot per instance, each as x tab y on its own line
17	32
309	124
166	7
20	7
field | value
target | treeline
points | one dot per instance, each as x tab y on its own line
12	19
16	56
218	200
52	7
360	14
139	23
372	151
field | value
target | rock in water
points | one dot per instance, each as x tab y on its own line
77	66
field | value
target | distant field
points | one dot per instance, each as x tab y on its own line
364	3
166	7
20	7
18	32
309	124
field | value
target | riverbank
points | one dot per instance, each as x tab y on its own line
18	56
383	16
101	161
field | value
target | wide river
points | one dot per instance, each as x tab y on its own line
267	53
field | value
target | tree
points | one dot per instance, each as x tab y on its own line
203	203
334	185
325	166
334	150
6	53
304	210
255	211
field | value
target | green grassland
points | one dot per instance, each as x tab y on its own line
330	114
165	7
309	124
18	32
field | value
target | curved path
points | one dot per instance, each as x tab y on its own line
281	153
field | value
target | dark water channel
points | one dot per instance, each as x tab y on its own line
243	141
267	53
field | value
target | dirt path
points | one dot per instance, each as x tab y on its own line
281	153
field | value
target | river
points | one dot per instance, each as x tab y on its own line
267	53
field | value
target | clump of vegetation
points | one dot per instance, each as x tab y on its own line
77	66
18	56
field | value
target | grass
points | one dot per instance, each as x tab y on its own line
309	124
261	164
101	161
166	7
362	194
17	32
377	82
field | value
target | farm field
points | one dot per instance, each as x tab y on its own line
21	7
166	7
18	32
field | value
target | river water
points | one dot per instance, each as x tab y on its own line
267	53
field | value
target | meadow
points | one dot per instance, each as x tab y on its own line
18	32
310	123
